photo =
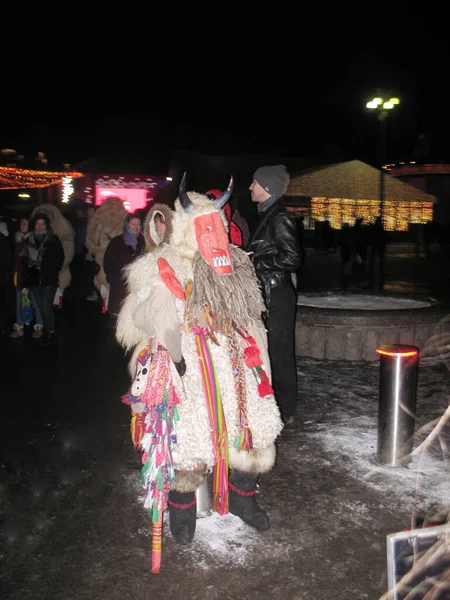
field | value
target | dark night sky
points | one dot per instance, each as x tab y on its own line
135	90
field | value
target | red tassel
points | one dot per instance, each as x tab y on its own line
220	487
137	428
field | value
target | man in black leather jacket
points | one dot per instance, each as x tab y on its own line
276	255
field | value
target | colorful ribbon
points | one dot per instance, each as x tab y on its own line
217	422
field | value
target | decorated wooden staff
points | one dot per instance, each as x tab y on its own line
153	401
157	544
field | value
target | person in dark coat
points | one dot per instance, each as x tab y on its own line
297	277
377	251
6	280
347	252
81	269
21	238
276	255
120	252
42	259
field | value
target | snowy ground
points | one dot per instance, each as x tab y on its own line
360	301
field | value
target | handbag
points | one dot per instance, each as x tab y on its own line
25	307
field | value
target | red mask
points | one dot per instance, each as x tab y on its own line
212	242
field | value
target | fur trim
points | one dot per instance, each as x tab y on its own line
139	276
258	460
151	239
20	237
189	481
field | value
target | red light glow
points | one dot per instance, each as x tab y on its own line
390	353
133	198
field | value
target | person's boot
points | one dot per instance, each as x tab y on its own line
17	331
183	516
49	339
242	501
37	333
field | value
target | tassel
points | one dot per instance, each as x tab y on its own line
137	429
220	487
244	441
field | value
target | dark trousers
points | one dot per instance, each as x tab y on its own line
7	305
376	270
82	273
44	297
280	325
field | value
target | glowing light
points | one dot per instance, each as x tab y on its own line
381	104
133	199
399	353
12	178
67	189
396	215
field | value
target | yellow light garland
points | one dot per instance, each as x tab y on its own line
12	178
396	215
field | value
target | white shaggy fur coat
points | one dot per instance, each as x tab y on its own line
151	311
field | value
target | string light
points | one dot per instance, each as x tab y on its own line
396	215
12	178
67	188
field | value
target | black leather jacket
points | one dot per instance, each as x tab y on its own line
275	248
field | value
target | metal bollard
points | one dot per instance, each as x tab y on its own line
397	403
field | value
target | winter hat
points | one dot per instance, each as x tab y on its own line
273	178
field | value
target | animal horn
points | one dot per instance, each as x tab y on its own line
185	201
223	198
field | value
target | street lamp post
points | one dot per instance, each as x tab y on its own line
382	107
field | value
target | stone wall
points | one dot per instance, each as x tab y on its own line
354	335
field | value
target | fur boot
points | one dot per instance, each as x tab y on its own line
183	516
242	502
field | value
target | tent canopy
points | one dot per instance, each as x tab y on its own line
354	180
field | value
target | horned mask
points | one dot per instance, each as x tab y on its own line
210	232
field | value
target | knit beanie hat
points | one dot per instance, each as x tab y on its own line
273	178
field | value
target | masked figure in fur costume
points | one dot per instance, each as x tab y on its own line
201	398
105	224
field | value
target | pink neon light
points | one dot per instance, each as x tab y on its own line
133	198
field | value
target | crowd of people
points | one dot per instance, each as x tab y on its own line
95	246
48	256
